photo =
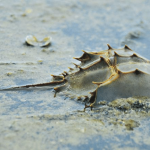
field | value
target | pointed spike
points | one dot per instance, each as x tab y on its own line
127	47
77	66
109	47
116	54
92	98
137	71
134	55
84	51
70	69
93	93
79	98
55	77
79	59
76	58
66	72
84	57
103	59
81	69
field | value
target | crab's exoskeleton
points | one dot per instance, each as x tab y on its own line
104	75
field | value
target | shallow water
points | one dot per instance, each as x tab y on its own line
34	119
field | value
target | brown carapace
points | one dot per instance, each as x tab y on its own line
105	75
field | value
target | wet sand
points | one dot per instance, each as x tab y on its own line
33	118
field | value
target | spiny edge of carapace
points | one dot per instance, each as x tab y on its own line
87	56
57	77
74	71
110	49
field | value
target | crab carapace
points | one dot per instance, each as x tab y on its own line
105	75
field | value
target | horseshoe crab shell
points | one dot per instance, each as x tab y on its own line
105	75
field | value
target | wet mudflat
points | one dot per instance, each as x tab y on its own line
33	118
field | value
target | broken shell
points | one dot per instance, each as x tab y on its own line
33	41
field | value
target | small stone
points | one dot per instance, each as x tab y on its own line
9	73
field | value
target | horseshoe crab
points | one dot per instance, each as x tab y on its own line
105	75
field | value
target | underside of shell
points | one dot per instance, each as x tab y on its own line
33	41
